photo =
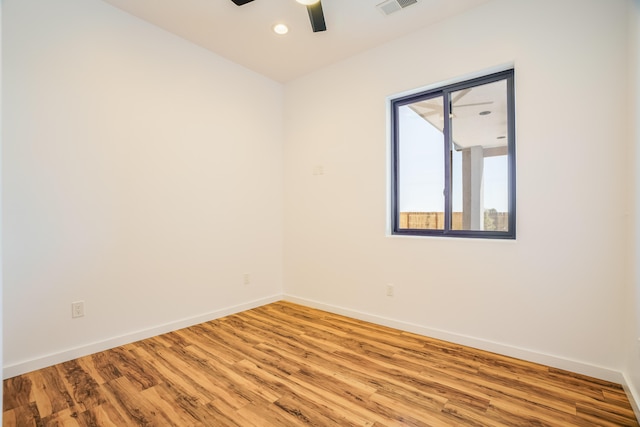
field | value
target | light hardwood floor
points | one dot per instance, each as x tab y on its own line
287	365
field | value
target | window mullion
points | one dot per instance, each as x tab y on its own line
511	135
447	161
395	214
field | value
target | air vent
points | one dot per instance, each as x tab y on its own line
390	6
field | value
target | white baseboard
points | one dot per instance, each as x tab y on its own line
494	347
632	394
85	350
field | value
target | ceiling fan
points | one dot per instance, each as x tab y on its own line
314	7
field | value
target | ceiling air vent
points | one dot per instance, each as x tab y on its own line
390	6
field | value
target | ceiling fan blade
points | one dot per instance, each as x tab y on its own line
434	107
241	2
473	104
423	114
316	16
460	94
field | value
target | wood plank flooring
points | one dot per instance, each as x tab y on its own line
287	365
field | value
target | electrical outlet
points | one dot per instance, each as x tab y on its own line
77	309
390	290
246	278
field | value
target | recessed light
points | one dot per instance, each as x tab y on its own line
307	2
484	113
280	29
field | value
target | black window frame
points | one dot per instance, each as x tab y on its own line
445	91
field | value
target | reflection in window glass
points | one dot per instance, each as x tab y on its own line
478	129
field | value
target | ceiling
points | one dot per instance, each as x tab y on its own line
244	34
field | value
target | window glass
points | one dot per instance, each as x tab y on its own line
421	154
480	188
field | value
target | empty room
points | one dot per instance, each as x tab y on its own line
340	212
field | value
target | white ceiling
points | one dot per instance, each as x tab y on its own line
243	34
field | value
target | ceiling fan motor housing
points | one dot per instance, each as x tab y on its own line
316	14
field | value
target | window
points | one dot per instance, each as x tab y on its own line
453	160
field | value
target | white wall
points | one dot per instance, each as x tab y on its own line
632	338
141	174
1	258
555	294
